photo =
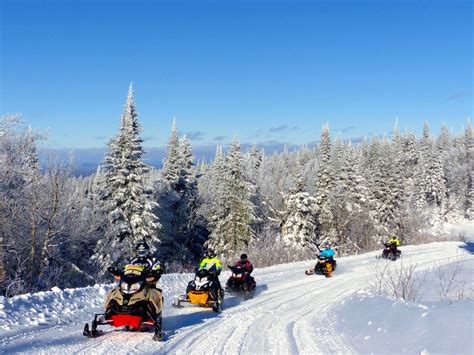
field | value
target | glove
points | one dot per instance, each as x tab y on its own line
113	270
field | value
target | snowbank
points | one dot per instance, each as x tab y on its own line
371	322
462	230
69	306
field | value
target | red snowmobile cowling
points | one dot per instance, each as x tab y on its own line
120	320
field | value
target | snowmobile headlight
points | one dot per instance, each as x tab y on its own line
135	287
200	282
130	288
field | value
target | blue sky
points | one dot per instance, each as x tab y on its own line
267	71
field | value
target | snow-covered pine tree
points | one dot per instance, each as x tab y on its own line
183	232
323	186
422	169
435	188
444	140
235	231
255	159
218	204
171	164
425	138
387	193
131	216
189	204
469	154
410	153
299	217
187	179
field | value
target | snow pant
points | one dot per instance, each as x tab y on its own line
215	288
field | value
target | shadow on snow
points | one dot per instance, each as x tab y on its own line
468	246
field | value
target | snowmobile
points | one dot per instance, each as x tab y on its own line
324	266
133	304
237	282
390	252
199	292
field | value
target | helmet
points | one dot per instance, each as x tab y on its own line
328	245
142	249
210	253
243	258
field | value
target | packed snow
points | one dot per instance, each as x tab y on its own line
290	313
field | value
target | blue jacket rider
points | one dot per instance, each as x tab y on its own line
327	252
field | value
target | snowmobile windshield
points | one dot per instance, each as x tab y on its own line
202	273
238	269
133	273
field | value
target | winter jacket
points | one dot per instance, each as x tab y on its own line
208	263
327	253
150	264
394	240
247	266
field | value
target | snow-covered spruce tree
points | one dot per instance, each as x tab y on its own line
171	164
410	154
176	191
255	159
298	219
190	229
444	140
422	169
252	162
323	187
211	187
387	193
435	188
350	204
233	231
469	154
187	179
130	207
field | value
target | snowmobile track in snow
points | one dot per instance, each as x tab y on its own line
290	313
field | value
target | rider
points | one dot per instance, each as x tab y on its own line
214	266
328	253
394	240
392	246
143	258
245	264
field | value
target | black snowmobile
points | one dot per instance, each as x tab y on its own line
237	282
199	291
134	304
324	266
390	252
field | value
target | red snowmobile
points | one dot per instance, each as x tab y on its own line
238	282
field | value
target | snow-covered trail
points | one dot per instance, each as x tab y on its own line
290	313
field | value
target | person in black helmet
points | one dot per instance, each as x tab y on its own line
143	258
245	264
